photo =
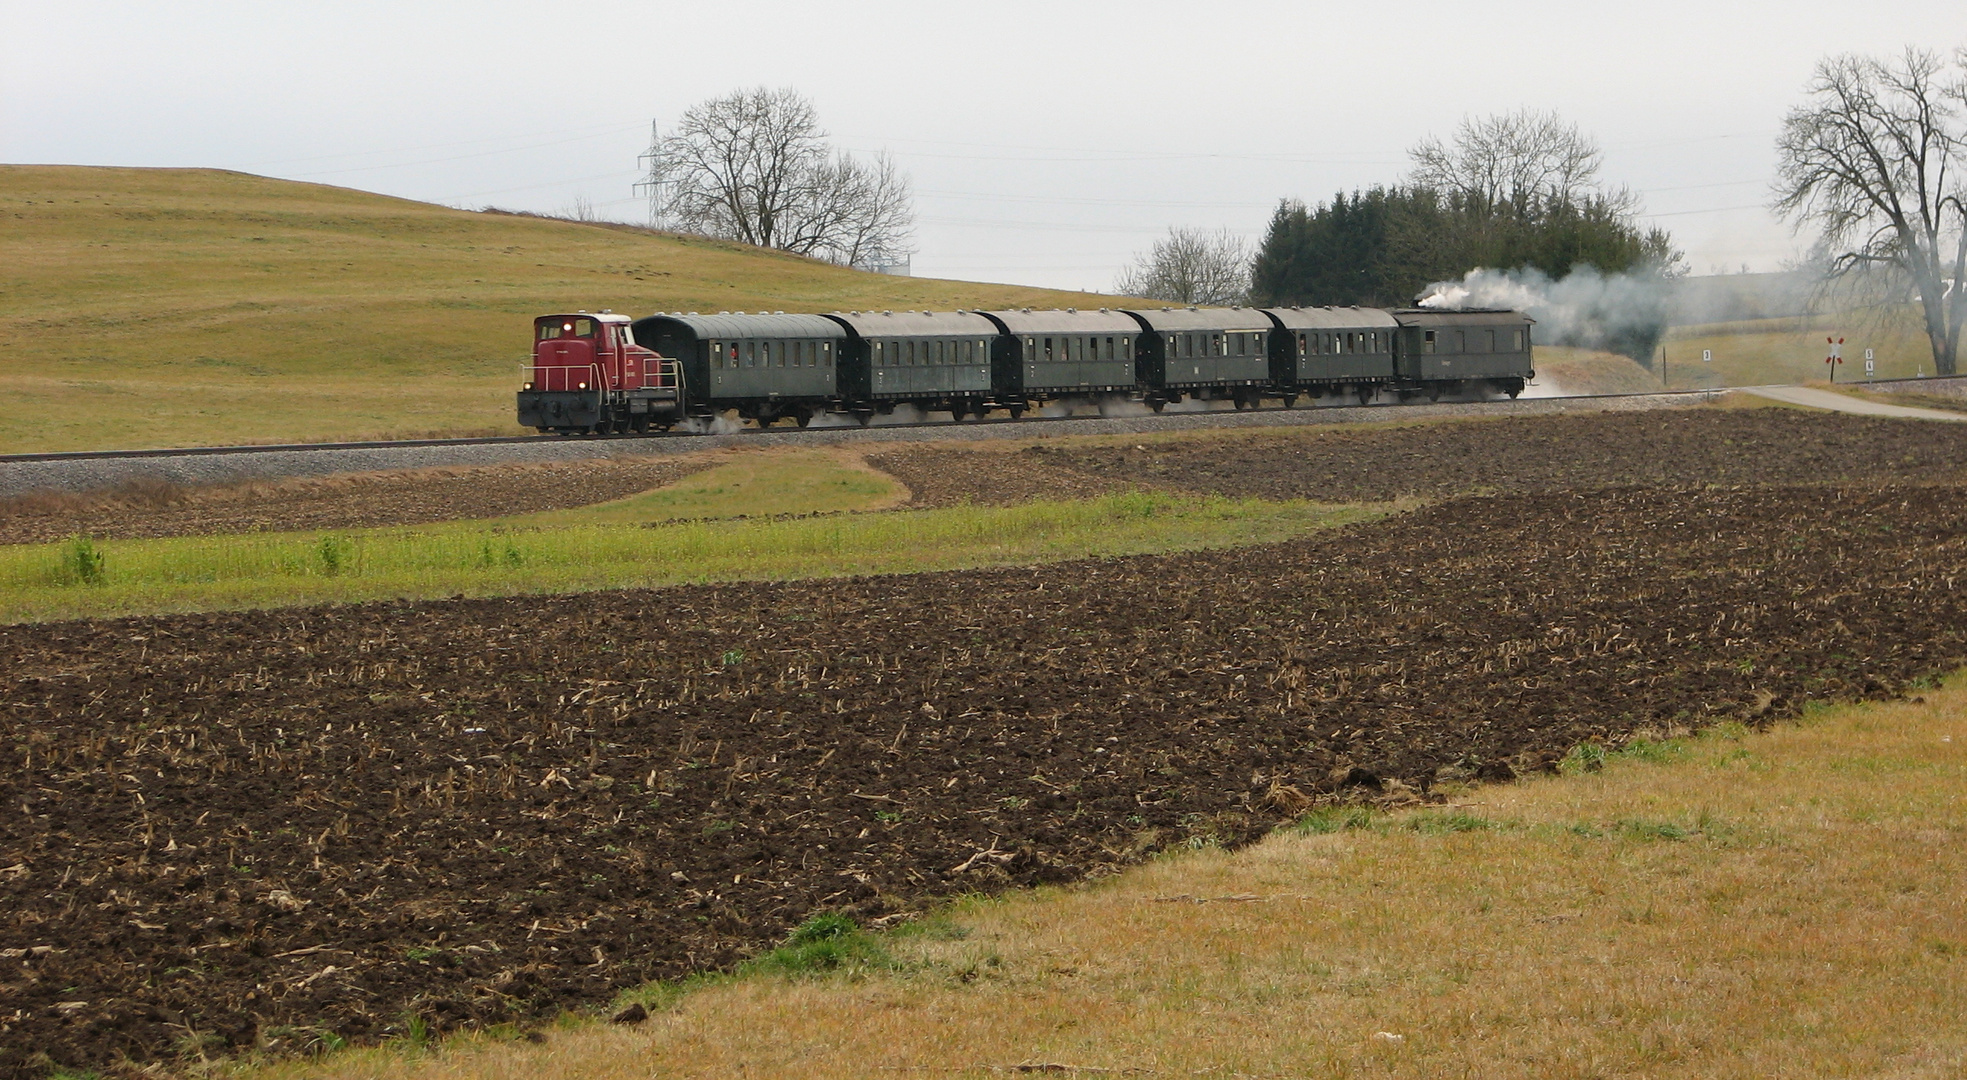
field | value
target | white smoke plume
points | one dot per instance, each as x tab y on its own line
1624	313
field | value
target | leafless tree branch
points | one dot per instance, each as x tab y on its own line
754	166
1190	266
1872	161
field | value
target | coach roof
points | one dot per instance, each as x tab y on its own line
1208	318
1461	317
1027	321
1331	318
902	324
727	326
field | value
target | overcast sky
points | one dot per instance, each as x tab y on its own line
1048	142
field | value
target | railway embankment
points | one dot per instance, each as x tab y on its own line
20	474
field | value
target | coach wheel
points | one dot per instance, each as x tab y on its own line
864	416
1156	404
1290	400
958	410
1365	394
1434	392
1016	411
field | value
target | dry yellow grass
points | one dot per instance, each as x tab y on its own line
1737	905
1588	371
172	307
1792	350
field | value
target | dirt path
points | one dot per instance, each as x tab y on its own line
260	828
1836	402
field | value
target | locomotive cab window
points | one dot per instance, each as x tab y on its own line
553	329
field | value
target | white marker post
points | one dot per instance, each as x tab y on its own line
1869	366
1707	356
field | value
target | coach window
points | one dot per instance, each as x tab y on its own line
826	351
1427	341
1461	341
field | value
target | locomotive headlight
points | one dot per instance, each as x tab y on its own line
582	386
528	386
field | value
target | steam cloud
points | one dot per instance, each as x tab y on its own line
1625	313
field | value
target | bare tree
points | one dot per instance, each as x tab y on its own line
754	166
1872	159
1190	266
1523	160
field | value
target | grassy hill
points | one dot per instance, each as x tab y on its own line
1565	370
1791	350
171	307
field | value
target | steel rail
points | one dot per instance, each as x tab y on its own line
495	440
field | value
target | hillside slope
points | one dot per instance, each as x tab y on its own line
161	307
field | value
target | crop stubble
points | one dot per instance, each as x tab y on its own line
254	825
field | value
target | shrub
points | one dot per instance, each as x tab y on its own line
337	554
81	562
825	942
1331	819
1583	758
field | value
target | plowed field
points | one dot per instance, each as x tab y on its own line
251	828
357	500
1681	448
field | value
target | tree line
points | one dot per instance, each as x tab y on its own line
1518	190
1874	161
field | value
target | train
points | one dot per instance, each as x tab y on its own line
602	373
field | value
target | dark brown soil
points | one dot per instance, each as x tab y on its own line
1546	453
149	508
245	829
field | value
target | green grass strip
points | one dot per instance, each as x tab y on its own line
84	578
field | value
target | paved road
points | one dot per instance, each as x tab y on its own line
1830	399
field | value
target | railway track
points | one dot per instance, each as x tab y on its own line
878	430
